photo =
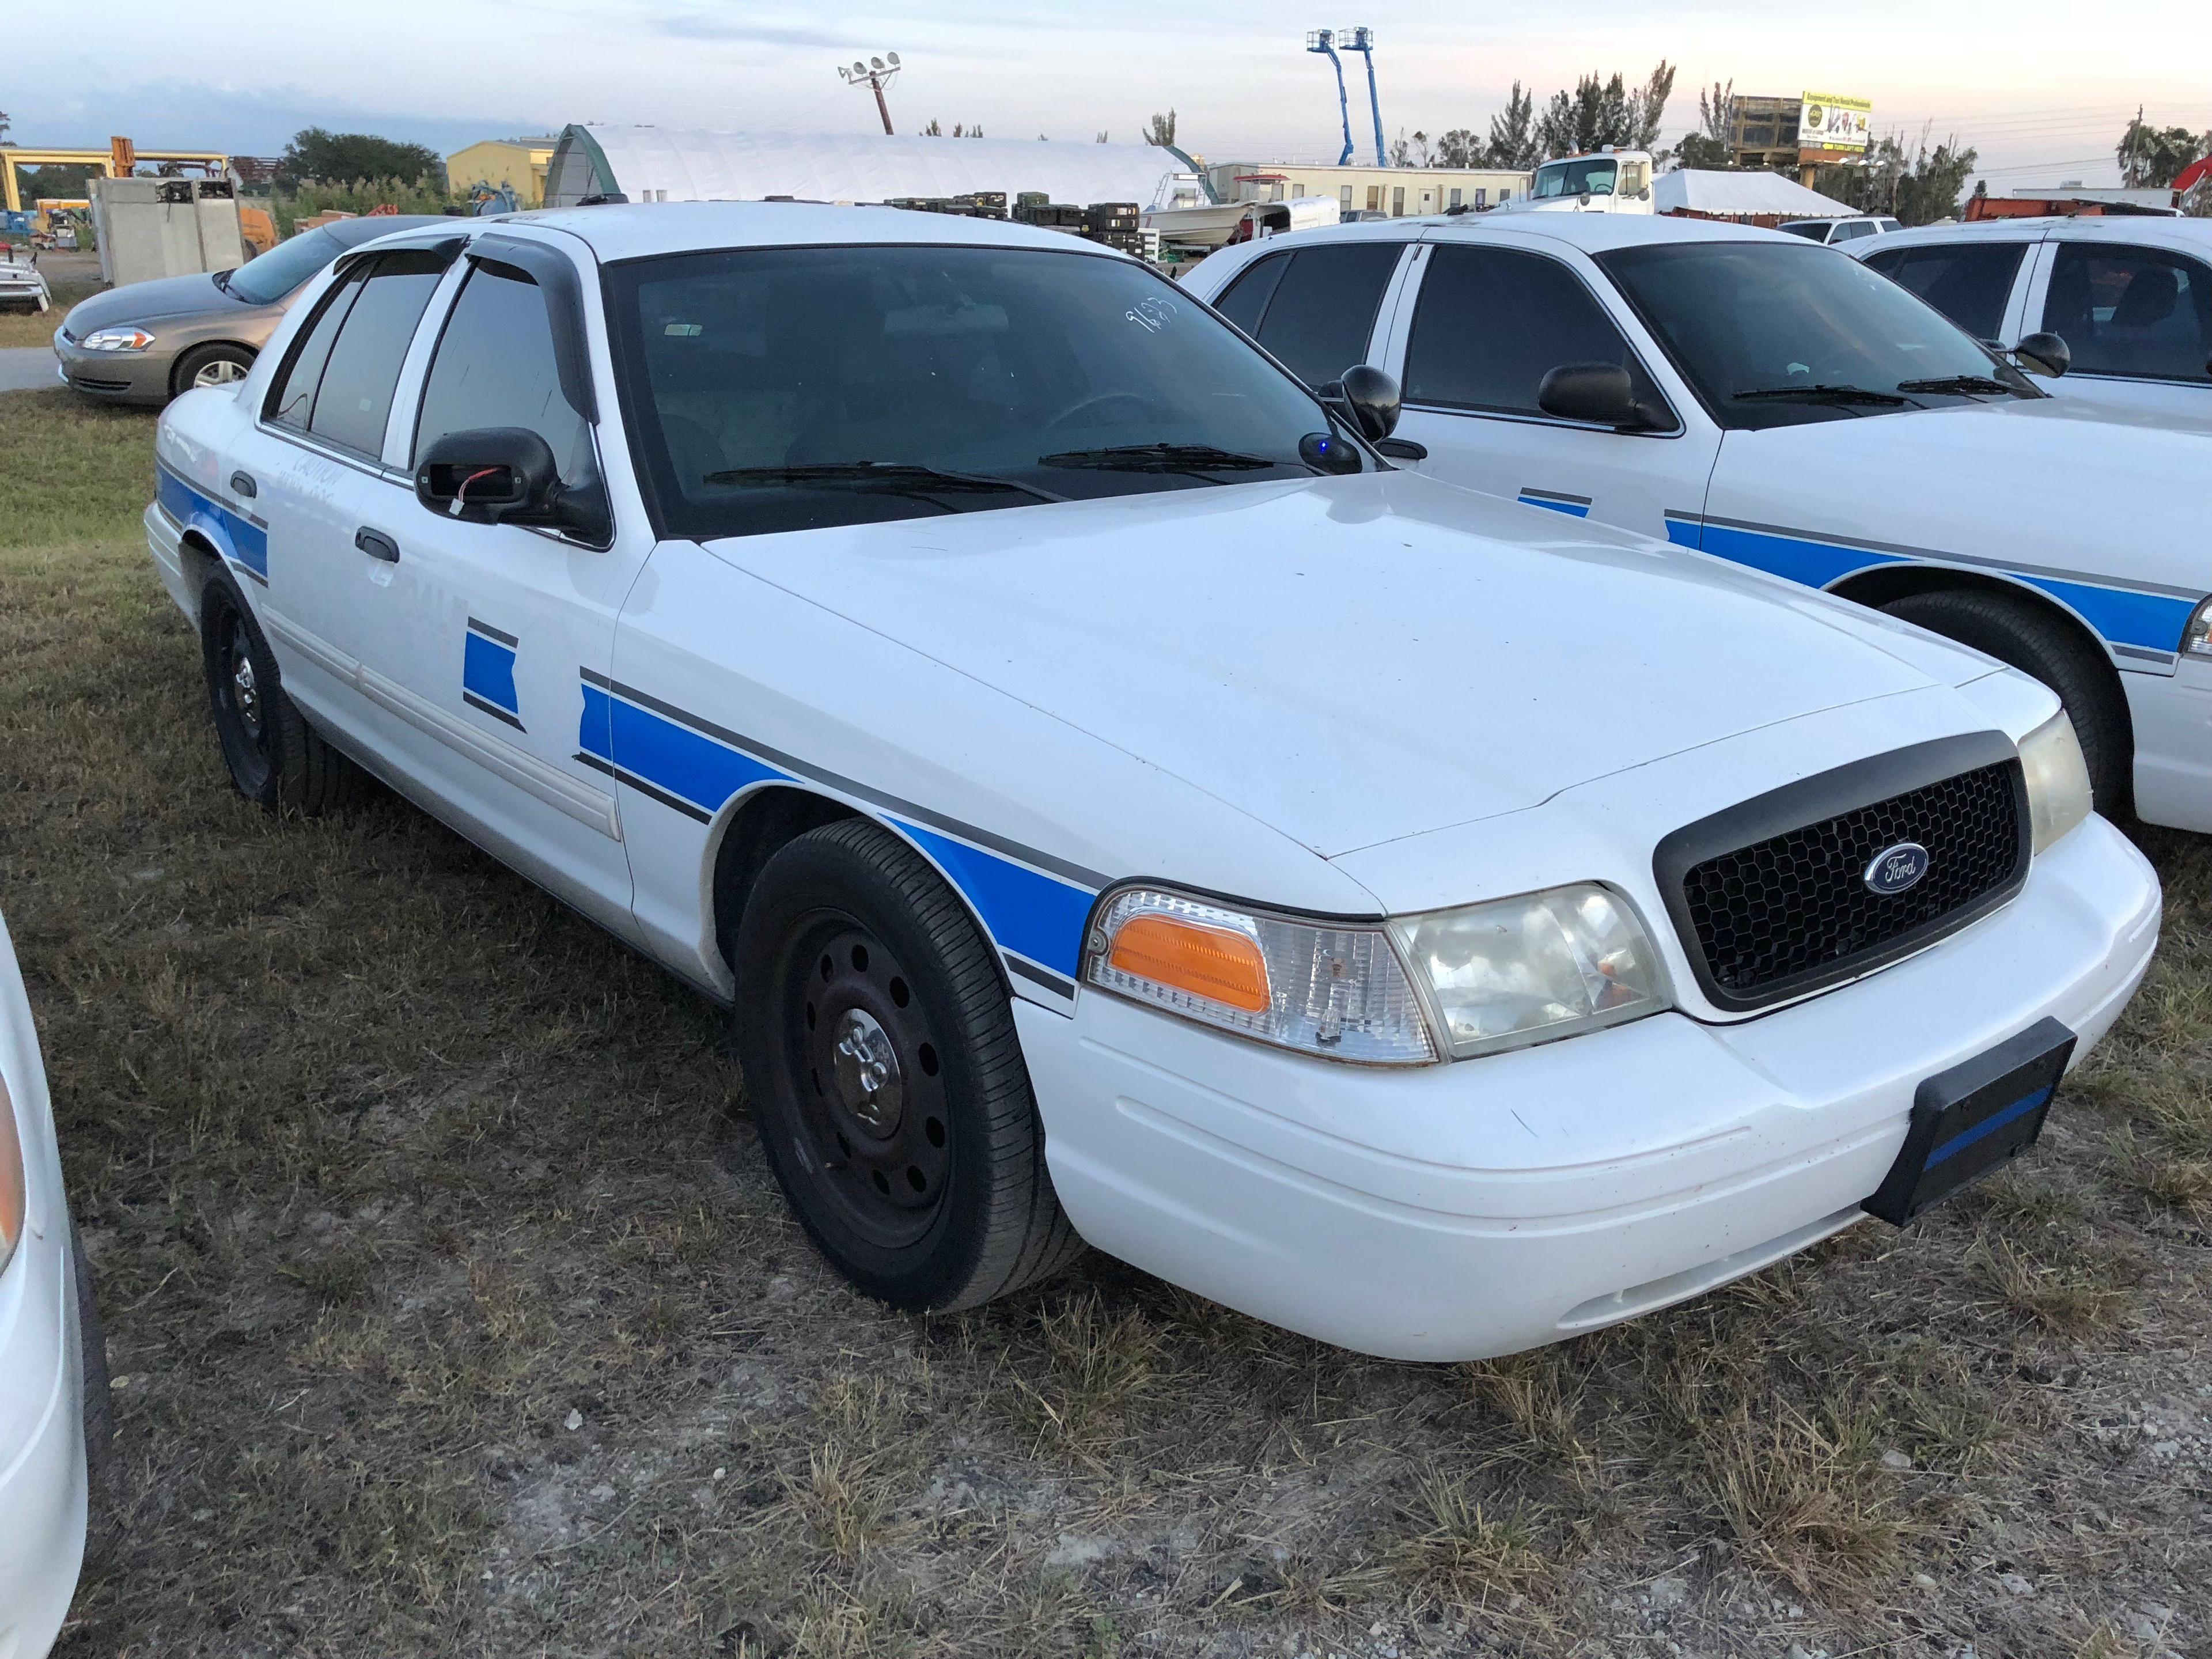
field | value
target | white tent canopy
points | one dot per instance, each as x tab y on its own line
1740	194
691	164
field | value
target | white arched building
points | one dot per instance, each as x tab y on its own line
691	164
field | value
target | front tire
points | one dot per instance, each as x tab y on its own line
277	760
2020	632
218	365
886	1078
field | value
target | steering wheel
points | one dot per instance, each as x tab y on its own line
1097	400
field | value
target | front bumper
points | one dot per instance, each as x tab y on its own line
42	1465
2173	718
126	377
1467	1210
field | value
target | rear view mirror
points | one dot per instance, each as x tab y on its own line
506	475
2045	354
1367	396
1599	393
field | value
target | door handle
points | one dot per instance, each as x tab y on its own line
241	483
377	546
1402	449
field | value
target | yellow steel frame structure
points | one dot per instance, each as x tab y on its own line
11	158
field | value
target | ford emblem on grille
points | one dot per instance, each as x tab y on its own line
1896	868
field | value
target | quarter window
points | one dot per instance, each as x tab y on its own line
1491	323
495	367
1970	283
1314	308
2134	311
354	401
293	401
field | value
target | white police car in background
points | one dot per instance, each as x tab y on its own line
1120	807
53	1373
1740	391
2131	296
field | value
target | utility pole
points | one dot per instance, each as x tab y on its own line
876	74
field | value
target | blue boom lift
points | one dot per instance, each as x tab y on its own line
1361	41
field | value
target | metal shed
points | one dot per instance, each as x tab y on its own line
691	164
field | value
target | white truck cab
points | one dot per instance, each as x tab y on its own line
1604	181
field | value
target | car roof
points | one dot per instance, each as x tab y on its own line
644	230
2156	229
352	233
1594	232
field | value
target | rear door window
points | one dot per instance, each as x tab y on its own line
1316	310
2138	312
495	367
1493	322
354	401
1970	283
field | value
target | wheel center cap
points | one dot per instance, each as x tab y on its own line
249	698
867	1069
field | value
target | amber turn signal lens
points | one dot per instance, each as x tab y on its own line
1207	961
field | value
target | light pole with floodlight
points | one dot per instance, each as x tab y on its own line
876	74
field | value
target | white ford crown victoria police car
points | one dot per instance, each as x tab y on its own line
1740	392
1120	807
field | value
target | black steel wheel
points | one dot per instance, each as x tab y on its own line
274	756
886	1078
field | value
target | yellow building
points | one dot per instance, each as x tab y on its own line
516	164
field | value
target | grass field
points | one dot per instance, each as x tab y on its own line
452	1311
19	327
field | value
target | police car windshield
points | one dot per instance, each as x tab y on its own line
779	389
1779	333
1573	178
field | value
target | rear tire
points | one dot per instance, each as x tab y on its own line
277	760
2021	633
886	1078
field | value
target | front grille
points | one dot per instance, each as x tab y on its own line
1791	911
85	382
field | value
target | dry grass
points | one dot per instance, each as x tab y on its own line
394	1171
21	327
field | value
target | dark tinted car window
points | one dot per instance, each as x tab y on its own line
1246	301
2135	311
292	402
1318	312
1493	322
494	367
1813	230
1967	282
354	399
787	389
1779	333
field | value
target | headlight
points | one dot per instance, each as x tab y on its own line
117	339
1522	970
2058	780
11	1179
2197	641
1489	977
1337	991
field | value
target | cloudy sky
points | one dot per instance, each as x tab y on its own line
2041	88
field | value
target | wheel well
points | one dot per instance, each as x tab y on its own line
1887	583
201	562
756	831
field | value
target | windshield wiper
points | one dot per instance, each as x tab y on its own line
1827	394
899	475
1159	458
1963	384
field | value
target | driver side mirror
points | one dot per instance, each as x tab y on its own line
2045	354
1598	394
1366	397
506	475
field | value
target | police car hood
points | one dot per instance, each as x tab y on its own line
1350	660
2052	486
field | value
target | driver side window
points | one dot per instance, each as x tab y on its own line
494	367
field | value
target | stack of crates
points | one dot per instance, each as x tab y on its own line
1032	209
984	204
1114	223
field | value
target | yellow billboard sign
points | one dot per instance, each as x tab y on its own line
1832	123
